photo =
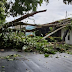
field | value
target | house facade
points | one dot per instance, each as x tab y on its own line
68	38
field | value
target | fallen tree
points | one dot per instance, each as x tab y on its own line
53	24
52	33
14	30
16	22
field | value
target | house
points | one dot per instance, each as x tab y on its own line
26	28
60	33
42	30
68	38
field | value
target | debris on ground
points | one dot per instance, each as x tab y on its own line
11	57
46	55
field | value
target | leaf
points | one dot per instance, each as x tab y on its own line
10	59
3	66
41	1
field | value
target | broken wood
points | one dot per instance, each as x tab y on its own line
52	33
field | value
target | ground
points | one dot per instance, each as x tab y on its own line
34	62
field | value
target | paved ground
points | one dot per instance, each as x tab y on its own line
33	62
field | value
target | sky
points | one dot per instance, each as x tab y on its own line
56	10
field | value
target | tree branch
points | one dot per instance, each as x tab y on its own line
25	16
28	15
19	19
18	23
14	30
52	33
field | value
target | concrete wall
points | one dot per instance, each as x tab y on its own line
66	38
18	26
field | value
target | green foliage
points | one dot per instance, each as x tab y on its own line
20	7
51	28
46	55
52	38
11	40
37	33
51	52
67	1
30	44
69	26
62	47
10	57
2	12
17	7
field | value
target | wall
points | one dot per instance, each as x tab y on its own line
66	38
18	26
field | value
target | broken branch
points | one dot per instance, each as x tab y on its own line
52	33
19	19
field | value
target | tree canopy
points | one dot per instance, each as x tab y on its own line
15	8
20	7
67	1
2	12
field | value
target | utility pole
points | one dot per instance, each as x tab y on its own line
66	15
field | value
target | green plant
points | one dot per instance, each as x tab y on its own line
52	38
51	28
46	55
51	52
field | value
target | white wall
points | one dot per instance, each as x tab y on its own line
66	38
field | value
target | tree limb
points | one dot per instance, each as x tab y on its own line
52	33
27	15
14	30
19	19
18	23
